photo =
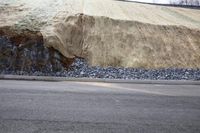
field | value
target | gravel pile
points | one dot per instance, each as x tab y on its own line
81	69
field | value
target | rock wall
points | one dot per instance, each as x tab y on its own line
25	51
108	42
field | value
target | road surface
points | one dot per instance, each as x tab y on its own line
83	107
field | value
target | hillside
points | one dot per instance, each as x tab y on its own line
108	32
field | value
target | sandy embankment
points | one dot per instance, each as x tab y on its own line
115	33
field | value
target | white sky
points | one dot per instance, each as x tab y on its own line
155	1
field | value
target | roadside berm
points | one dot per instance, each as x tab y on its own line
107	32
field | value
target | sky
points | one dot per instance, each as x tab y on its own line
156	1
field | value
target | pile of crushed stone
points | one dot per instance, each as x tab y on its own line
80	69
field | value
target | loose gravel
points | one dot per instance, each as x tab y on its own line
80	69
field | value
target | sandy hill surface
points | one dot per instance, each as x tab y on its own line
45	10
158	15
109	32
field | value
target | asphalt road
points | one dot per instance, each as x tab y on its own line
83	107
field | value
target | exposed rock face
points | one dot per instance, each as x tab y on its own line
29	56
127	35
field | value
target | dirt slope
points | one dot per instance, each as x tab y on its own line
109	32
